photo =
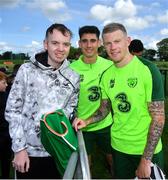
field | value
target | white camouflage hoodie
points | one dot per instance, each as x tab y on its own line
38	89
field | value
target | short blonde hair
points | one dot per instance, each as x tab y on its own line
112	27
3	76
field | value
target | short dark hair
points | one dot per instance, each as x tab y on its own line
89	29
136	46
111	27
60	27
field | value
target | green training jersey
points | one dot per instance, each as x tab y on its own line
89	96
130	88
157	92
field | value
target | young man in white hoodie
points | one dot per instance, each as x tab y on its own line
43	85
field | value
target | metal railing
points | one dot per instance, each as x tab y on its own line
78	165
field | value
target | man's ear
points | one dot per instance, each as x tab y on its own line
79	43
45	44
100	43
129	40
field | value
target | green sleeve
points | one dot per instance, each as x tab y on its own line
158	90
157	81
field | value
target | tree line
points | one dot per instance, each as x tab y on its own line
9	55
161	54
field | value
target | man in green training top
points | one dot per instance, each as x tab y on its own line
138	106
90	66
136	48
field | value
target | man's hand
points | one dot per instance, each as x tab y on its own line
21	161
98	115
144	169
79	124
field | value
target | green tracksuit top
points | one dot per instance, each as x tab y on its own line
130	88
89	96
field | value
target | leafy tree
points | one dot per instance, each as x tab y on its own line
7	55
163	49
74	53
27	57
102	52
149	54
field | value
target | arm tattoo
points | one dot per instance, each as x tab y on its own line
156	110
102	112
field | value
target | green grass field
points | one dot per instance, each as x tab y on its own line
4	63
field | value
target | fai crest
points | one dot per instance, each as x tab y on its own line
112	82
132	82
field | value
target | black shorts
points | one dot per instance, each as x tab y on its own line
100	137
125	165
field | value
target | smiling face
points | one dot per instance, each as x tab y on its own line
89	44
58	46
116	44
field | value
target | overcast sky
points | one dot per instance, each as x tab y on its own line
23	22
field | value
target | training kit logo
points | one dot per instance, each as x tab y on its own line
132	82
112	82
81	78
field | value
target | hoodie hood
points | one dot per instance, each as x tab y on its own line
40	59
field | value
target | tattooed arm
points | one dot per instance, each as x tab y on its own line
156	110
100	114
157	113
